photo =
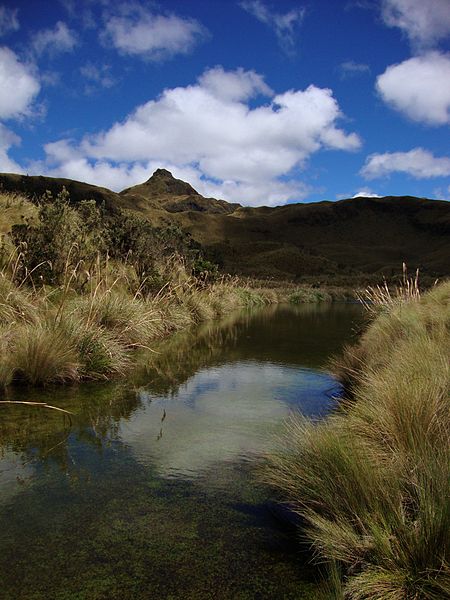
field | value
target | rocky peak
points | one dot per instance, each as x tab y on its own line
162	182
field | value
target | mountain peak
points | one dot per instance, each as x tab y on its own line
174	195
162	182
162	173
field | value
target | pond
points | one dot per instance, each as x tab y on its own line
149	490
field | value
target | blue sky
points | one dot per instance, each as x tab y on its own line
254	101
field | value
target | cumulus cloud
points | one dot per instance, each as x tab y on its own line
8	20
235	150
418	162
18	86
64	160
283	24
136	31
7	140
442	193
366	193
419	87
234	85
350	68
18	89
424	22
54	41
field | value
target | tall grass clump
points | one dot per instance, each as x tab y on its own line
41	354
371	482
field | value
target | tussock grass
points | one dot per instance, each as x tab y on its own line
41	354
100	353
60	334
131	321
372	481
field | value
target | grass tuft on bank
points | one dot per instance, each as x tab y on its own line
371	482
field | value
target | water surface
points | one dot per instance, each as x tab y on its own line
149	490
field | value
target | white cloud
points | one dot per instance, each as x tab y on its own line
18	86
418	162
234	85
65	161
136	31
229	148
366	193
7	140
419	87
284	25
97	77
425	22
350	68
54	41
8	20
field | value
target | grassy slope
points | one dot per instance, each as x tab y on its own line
329	241
365	235
372	480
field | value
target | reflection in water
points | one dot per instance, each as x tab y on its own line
148	491
222	413
42	436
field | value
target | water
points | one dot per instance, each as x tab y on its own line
149	490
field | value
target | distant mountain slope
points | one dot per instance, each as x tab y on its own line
325	240
34	186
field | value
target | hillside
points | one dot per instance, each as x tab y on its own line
341	240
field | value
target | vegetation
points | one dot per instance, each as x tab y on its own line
350	243
371	482
80	289
309	294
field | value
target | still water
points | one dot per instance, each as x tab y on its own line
149	491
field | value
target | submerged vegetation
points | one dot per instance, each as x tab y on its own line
371	482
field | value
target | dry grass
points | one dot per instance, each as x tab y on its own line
372	481
384	297
15	209
42	354
67	333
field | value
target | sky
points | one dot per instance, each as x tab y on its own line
255	101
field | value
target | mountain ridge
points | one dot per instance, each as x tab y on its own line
320	240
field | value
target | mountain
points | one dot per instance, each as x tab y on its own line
163	191
328	241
